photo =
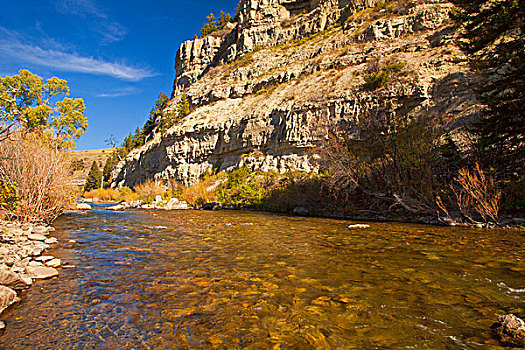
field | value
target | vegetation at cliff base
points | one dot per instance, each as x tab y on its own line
34	138
494	39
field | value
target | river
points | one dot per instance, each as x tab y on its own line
237	279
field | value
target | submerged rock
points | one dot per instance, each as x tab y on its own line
511	330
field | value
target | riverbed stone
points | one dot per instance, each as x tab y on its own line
7	297
53	263
358	226
36	237
117	207
45	258
511	330
41	230
83	206
13	280
51	240
41	272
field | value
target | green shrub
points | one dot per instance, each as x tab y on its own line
382	78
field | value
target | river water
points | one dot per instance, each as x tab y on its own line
235	280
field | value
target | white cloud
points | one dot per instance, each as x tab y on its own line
15	46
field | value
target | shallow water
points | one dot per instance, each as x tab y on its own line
232	280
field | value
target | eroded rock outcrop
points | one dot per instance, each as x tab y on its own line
267	90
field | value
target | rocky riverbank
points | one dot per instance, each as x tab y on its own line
22	260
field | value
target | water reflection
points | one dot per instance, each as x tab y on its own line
253	280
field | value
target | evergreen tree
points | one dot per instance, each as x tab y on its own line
94	178
495	41
108	167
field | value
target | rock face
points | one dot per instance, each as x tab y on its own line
267	90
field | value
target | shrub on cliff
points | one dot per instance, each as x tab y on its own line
212	25
34	136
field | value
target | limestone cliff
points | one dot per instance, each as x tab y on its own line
265	90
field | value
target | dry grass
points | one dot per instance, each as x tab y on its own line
106	194
202	192
40	174
477	194
148	190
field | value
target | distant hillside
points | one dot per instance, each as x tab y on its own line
84	159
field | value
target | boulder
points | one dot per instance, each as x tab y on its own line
83	206
300	211
41	272
511	330
7	297
175	204
13	280
212	206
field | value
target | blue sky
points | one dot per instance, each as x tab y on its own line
117	55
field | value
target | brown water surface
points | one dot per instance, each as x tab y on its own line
235	280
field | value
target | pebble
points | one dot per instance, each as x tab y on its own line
69	267
358	226
2	325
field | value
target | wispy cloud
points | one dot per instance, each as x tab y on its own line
80	8
118	93
21	48
109	30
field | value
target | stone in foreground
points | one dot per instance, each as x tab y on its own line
13	280
511	330
7	297
41	272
